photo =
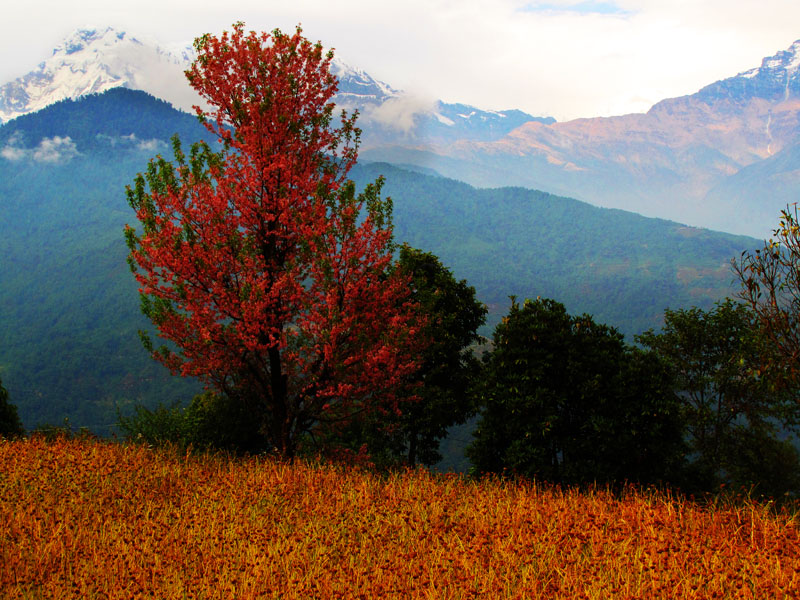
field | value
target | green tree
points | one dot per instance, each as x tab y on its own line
728	399
210	422
770	279
443	380
268	275
10	424
565	400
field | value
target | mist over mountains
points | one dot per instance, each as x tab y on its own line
722	158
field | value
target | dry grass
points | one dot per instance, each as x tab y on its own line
83	519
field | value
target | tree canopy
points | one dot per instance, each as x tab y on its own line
565	400
10	425
447	369
732	405
267	274
770	286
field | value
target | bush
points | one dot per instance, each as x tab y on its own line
210	422
10	424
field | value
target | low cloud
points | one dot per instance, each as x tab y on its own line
13	153
151	145
399	112
54	150
12	150
131	141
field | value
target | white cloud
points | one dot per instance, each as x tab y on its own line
13	153
398	112
131	141
55	150
151	145
12	150
50	150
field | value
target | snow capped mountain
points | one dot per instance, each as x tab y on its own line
776	80
357	86
93	61
779	73
390	116
724	157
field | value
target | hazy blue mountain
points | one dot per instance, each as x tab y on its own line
68	303
619	266
680	160
100	123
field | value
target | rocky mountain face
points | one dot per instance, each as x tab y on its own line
95	60
719	158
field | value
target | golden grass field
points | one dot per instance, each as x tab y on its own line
92	519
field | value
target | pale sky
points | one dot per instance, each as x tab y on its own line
560	58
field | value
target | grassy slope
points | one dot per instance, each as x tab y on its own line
87	519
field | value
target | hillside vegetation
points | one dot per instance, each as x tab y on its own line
90	519
622	268
69	311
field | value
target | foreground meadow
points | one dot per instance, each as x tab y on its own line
84	519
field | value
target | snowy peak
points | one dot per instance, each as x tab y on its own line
785	61
391	114
355	84
776	80
95	60
89	39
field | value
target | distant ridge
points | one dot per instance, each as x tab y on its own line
722	158
117	113
681	160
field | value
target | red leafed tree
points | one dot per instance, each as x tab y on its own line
259	263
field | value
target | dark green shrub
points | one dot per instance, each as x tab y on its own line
210	422
10	424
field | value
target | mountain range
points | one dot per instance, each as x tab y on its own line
724	158
79	127
96	60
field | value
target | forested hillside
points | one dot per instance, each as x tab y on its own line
68	305
618	266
